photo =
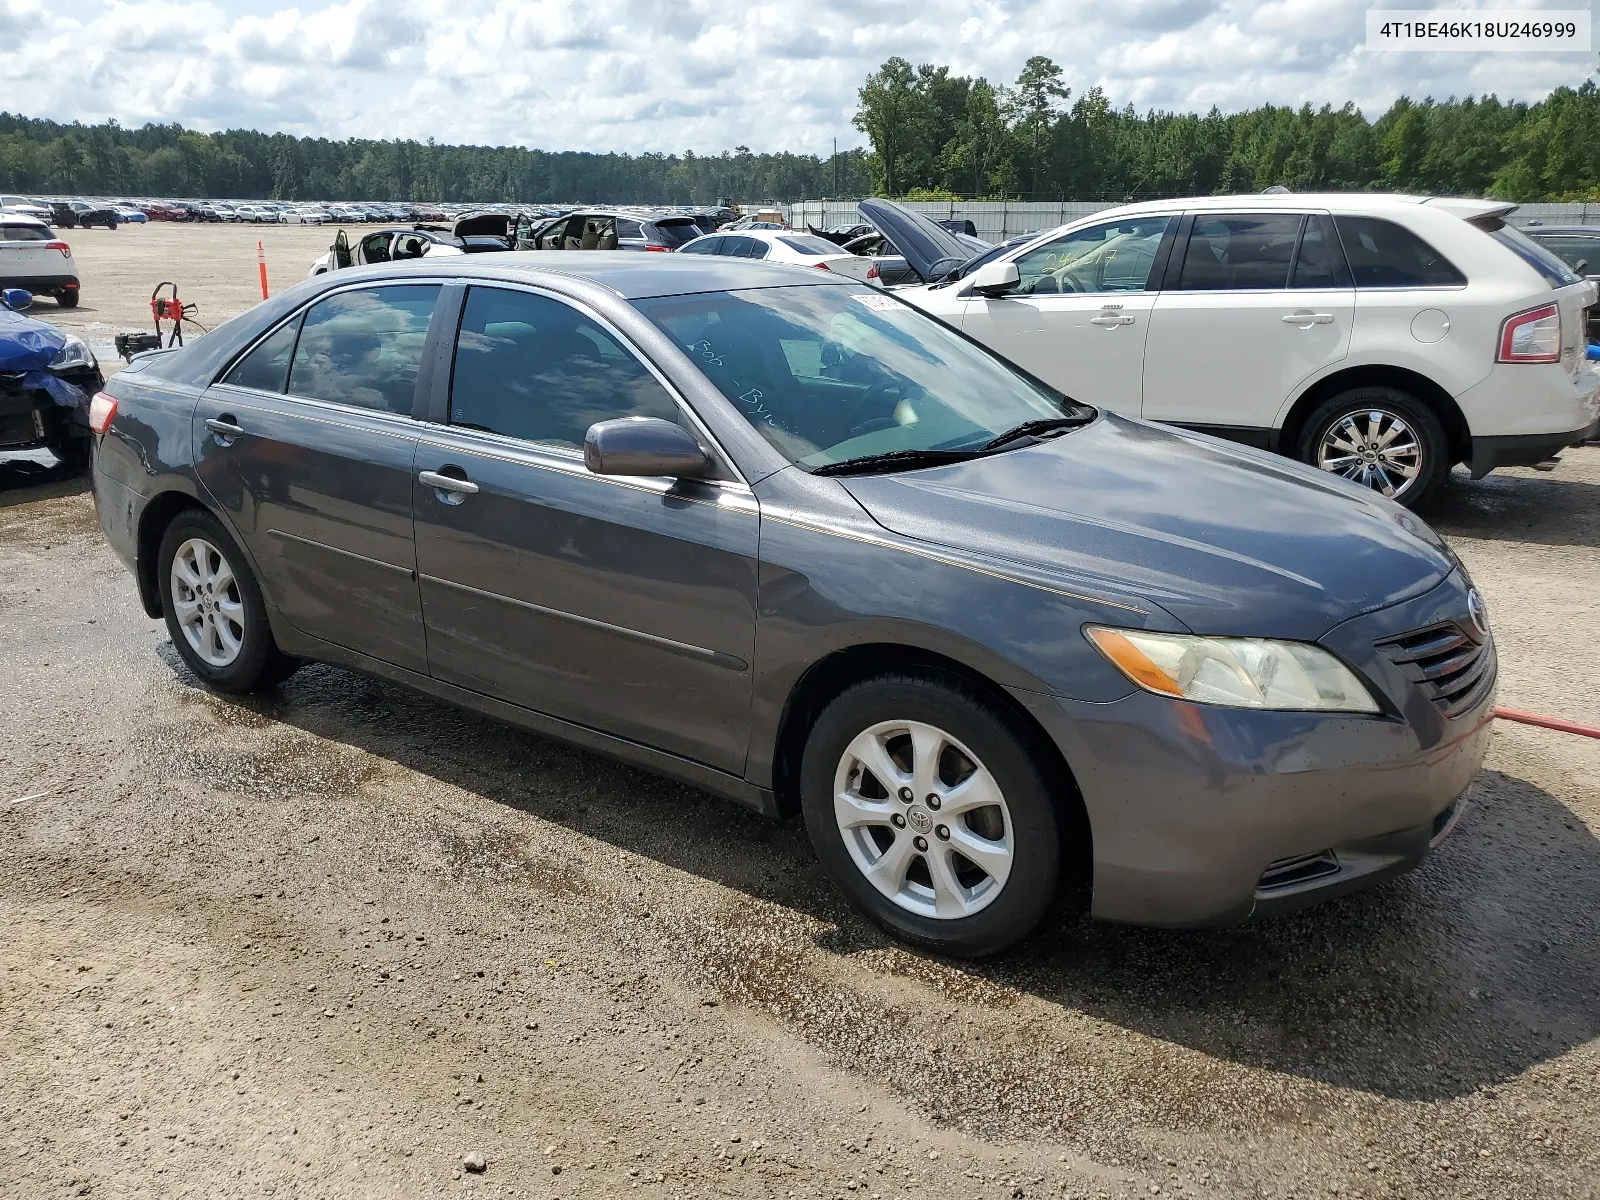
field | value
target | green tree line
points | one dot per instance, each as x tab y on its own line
934	133
931	133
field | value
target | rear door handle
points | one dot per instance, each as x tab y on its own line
453	487
225	429
1308	318
1111	320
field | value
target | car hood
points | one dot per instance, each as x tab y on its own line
931	249
1226	539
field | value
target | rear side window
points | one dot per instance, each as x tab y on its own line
631	229
741	247
1239	251
1554	272
677	230
1385	255
23	233
1320	263
534	368
364	347
266	368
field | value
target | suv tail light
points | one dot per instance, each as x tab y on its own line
102	410
1532	337
659	249
66	250
821	266
872	271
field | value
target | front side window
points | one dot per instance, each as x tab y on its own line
1239	251
266	368
1383	254
827	374
531	367
364	347
1115	257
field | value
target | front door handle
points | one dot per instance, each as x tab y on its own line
1111	320
224	428
1307	319
452	489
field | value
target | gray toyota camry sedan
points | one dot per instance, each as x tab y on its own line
787	539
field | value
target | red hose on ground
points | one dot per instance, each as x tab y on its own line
1512	714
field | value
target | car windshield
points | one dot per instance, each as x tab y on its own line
827	374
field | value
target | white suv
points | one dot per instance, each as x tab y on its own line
1383	338
32	257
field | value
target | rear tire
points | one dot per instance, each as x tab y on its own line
73	452
67	299
956	877
214	609
1382	438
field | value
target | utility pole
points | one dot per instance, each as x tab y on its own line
835	166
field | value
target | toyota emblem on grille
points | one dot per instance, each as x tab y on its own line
1478	611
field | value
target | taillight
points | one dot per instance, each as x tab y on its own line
66	250
820	266
872	271
1532	337
659	249
102	410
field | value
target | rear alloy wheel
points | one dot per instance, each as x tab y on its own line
932	814
1382	438
214	609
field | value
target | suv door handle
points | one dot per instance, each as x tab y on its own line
452	488
1111	320
1308	318
224	428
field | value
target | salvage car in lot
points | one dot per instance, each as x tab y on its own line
46	381
386	245
1383	338
780	246
783	537
32	257
612	229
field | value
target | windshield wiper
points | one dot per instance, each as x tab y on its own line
1034	429
895	460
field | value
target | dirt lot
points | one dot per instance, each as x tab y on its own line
327	942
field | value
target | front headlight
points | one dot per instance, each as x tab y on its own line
75	353
1234	672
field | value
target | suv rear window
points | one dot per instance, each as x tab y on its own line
675	231
1385	255
1554	272
1573	248
23	233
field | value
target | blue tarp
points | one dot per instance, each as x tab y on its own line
28	346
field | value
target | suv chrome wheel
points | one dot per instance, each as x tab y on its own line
923	820
207	603
1374	448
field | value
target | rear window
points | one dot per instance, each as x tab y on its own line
23	233
810	245
1574	248
677	230
1554	272
1385	255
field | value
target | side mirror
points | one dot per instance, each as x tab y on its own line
644	446
16	299
995	279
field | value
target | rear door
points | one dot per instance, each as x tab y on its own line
1079	317
626	605
307	444
1254	304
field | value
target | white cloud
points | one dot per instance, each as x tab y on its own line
638	75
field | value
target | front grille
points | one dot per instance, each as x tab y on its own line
1287	872
1452	669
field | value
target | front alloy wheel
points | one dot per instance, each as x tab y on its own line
207	603
923	819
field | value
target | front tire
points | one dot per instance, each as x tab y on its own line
1382	438
214	609
932	814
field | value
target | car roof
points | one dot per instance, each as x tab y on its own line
1375	202
630	275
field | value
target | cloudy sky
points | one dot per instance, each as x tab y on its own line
674	74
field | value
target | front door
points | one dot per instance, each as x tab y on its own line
1079	316
307	446
627	605
1261	302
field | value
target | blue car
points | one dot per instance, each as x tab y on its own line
47	380
783	537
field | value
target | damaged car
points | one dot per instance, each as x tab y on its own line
47	378
615	229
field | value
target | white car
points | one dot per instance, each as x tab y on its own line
775	245
32	257
1382	338
384	245
21	206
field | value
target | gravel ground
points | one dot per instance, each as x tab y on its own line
334	941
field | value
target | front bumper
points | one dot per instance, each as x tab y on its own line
1205	816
